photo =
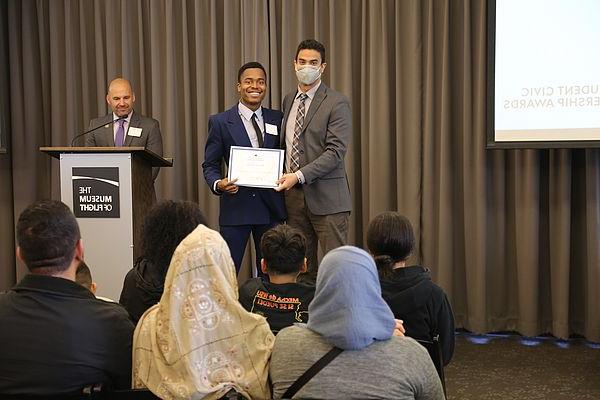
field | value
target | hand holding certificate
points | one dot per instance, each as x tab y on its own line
255	167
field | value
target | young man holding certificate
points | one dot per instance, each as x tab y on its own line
245	205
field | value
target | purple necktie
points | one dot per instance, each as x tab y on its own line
120	138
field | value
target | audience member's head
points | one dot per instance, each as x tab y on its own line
48	237
390	240
283	249
165	226
348	310
199	339
83	276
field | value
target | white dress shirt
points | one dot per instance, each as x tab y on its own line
291	122
246	116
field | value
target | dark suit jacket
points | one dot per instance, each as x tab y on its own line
323	144
249	206
150	138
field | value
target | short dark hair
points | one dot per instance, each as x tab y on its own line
311	44
283	249
248	65
83	276
390	239
165	226
47	234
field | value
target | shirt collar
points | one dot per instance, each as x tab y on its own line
247	113
311	92
51	284
128	119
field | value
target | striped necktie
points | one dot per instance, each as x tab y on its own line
295	156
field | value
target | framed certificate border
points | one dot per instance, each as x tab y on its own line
233	165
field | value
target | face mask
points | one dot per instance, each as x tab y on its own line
308	74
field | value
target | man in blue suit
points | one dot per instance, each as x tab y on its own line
244	210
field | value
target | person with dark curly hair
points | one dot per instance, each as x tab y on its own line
408	290
166	225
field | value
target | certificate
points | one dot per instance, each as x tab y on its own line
255	167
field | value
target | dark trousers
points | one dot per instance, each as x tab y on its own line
236	237
327	231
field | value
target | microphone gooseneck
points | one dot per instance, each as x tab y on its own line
98	127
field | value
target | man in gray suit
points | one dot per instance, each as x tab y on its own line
317	126
123	126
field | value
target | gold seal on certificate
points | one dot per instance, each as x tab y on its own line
255	167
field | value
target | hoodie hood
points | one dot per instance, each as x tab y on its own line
148	280
409	288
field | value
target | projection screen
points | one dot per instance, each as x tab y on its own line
543	73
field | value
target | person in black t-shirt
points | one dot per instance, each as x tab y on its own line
282	301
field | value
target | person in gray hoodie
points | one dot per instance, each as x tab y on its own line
408	290
348	312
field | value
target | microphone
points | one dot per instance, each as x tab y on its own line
98	127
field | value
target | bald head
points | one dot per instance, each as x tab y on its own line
120	97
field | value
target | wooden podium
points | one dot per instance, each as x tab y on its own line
110	191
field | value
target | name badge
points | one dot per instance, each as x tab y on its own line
137	132
271	129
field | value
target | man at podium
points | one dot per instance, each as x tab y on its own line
123	126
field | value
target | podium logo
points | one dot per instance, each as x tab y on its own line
96	192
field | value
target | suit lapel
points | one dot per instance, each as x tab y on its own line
108	131
314	105
286	113
270	141
135	122
236	128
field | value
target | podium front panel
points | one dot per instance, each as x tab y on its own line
98	188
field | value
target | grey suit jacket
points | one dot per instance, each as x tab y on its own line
323	144
150	138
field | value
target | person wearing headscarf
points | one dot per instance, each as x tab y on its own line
348	312
198	342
